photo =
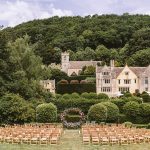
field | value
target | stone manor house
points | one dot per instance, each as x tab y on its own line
110	79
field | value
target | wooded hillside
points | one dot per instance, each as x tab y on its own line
124	38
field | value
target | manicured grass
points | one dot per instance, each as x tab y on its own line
71	140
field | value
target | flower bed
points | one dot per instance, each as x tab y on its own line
72	124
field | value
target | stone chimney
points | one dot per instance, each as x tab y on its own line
112	63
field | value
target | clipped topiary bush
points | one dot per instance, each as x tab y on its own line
58	96
102	96
83	82
90	95
131	109
122	118
91	79
46	113
145	96
134	98
98	113
66	96
120	103
78	88
75	95
127	94
74	82
72	118
63	82
85	95
82	103
128	124
148	126
144	110
112	111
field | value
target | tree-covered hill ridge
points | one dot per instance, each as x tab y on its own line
125	38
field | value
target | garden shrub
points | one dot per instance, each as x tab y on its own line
74	82
122	118
66	96
46	113
140	120
128	124
102	96
91	79
148	126
83	82
79	77
98	113
120	103
131	109
75	95
78	88
57	96
145	96
133	98
85	95
141	125
63	82
14	109
112	111
127	94
90	95
82	103
73	118
144	109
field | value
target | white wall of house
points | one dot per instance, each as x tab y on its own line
48	85
127	80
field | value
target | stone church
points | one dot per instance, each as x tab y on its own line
74	67
110	79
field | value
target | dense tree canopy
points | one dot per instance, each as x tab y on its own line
21	69
94	37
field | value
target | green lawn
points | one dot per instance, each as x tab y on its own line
71	140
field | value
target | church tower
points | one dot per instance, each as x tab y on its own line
65	62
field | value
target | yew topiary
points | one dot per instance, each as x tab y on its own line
46	113
112	111
98	113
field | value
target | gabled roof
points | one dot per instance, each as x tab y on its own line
117	70
138	70
81	64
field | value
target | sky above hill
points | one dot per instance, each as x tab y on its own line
14	12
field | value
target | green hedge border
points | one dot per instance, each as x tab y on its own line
78	88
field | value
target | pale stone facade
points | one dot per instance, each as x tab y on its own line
74	67
110	79
48	85
114	80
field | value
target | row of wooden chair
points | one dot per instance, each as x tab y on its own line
114	135
31	134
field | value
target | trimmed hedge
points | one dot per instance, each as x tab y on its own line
81	103
122	118
90	95
46	113
144	110
78	88
80	77
145	96
120	103
73	118
112	111
102	96
98	113
128	124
